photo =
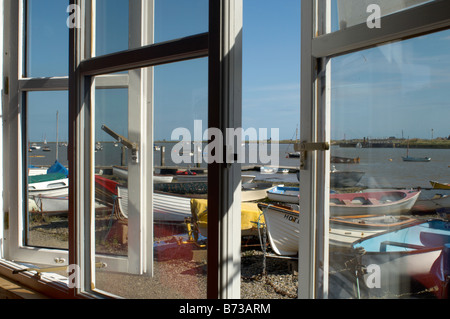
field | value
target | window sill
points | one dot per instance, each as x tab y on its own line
13	290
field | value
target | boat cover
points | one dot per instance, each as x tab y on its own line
57	167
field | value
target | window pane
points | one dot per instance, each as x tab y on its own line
45	219
111	26
347	13
177	18
390	138
180	98
173	19
47	38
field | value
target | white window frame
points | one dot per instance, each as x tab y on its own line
315	114
223	40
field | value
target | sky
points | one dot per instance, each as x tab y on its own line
400	89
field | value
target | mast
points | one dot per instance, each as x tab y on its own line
57	135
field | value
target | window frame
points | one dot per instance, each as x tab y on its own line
222	40
315	114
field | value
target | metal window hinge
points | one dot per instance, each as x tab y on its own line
305	147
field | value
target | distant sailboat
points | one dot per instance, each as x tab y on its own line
408	158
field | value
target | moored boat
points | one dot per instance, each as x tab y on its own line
346	160
283	229
49	192
255	191
439	185
391	202
281	193
345	230
415	159
268	170
283	232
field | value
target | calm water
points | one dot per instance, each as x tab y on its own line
383	167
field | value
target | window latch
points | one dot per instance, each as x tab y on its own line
305	147
134	147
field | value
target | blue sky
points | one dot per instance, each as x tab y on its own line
382	92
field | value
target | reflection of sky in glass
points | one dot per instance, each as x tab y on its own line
400	88
47	38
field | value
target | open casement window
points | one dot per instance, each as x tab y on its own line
358	63
126	61
128	100
36	101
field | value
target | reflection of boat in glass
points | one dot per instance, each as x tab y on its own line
344	160
340	179
419	251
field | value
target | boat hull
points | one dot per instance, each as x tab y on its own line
416	159
373	203
284	194
283	229
438	185
408	253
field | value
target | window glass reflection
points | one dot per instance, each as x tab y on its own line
390	140
47	38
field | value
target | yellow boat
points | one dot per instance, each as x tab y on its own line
251	217
438	185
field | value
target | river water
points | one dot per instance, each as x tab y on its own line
383	167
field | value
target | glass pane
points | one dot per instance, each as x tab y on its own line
347	13
173	19
46	220
177	18
271	104
47	38
180	99
390	136
111	26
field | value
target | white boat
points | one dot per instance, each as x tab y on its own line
254	191
283	230
281	193
390	202
346	230
50	192
34	146
167	208
268	170
247	178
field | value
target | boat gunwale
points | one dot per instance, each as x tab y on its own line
340	220
409	196
400	253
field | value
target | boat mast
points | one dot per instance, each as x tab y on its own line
56	135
